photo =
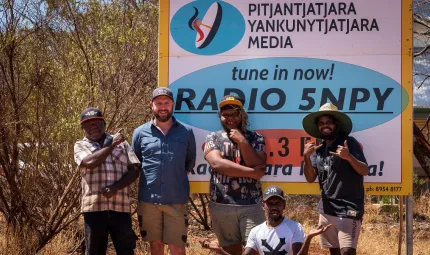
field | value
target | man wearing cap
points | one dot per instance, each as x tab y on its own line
238	160
340	165
167	150
279	235
108	166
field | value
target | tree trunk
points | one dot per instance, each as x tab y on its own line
422	150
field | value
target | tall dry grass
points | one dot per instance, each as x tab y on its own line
379	232
24	242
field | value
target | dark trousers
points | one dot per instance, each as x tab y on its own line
98	225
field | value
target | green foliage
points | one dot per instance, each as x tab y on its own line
56	59
416	180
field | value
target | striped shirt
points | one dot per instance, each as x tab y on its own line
112	170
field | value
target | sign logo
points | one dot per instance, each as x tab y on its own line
207	27
90	113
272	190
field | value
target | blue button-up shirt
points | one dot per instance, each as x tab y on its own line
166	160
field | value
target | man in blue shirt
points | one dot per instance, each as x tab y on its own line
167	150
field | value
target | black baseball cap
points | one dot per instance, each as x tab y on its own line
162	91
91	114
273	191
230	100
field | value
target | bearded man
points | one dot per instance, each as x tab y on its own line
279	235
340	165
167	150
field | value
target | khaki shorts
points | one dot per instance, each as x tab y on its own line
163	222
232	223
343	233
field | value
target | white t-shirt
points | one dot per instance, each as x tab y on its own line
279	239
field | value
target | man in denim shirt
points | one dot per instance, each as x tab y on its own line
167	150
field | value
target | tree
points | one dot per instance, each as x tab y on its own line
57	58
421	76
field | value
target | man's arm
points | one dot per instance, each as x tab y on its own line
97	158
250	251
250	155
135	145
309	170
133	170
191	153
303	248
252	243
359	167
132	174
344	153
232	169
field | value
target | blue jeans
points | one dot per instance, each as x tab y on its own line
98	225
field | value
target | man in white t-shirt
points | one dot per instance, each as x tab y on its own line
278	235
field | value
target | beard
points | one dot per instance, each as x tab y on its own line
163	118
330	136
275	218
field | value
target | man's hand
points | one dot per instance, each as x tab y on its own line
342	151
310	148
237	136
319	230
108	191
259	171
118	138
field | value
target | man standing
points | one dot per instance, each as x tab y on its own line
167	150
238	160
108	167
279	235
340	165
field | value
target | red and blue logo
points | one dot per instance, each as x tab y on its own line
207	27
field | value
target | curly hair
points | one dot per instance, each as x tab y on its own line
244	123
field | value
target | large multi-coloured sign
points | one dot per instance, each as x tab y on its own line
286	59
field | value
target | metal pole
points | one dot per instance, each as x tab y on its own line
409	225
399	248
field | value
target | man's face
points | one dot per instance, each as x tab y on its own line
162	107
94	129
274	208
231	118
327	127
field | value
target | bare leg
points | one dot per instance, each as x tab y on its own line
177	249
157	247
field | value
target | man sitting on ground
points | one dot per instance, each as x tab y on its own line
279	235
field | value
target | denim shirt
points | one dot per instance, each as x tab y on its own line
166	161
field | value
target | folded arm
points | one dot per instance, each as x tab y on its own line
250	156
232	169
